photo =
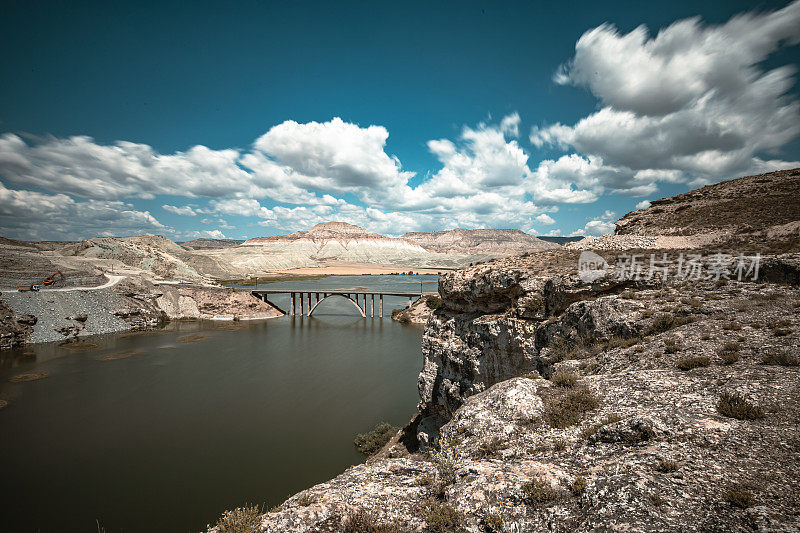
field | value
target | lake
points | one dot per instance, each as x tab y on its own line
149	432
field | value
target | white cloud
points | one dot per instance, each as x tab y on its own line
644	204
690	104
33	215
204	234
544	218
602	225
184	210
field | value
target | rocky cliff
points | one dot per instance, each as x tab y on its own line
549	403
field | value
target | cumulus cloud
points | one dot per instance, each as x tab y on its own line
544	218
691	104
31	215
184	210
644	204
602	225
203	234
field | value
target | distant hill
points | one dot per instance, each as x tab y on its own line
560	240
210	243
327	231
479	241
766	204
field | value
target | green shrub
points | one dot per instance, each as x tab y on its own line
733	405
240	520
688	363
564	379
566	409
779	357
370	443
433	302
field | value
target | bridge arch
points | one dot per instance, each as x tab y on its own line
363	314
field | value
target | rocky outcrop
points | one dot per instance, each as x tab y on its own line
419	312
15	330
213	304
549	404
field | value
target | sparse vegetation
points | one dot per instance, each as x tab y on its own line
671	346
564	379
578	485
732	326
306	499
666	321
622	342
779	357
666	466
362	521
539	491
439	516
688	363
567	408
781	332
729	353
739	496
370	443
493	521
240	520
490	448
656	499
588	431
733	405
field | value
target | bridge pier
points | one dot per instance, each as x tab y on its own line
372	307
380	302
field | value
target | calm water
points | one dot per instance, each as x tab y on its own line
166	439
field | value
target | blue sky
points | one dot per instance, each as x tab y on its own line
258	118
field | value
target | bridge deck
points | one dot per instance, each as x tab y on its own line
408	294
357	297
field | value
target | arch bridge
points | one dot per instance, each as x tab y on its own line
310	300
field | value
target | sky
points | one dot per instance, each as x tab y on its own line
251	118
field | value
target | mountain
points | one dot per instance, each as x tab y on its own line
211	243
765	204
340	232
478	241
760	213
